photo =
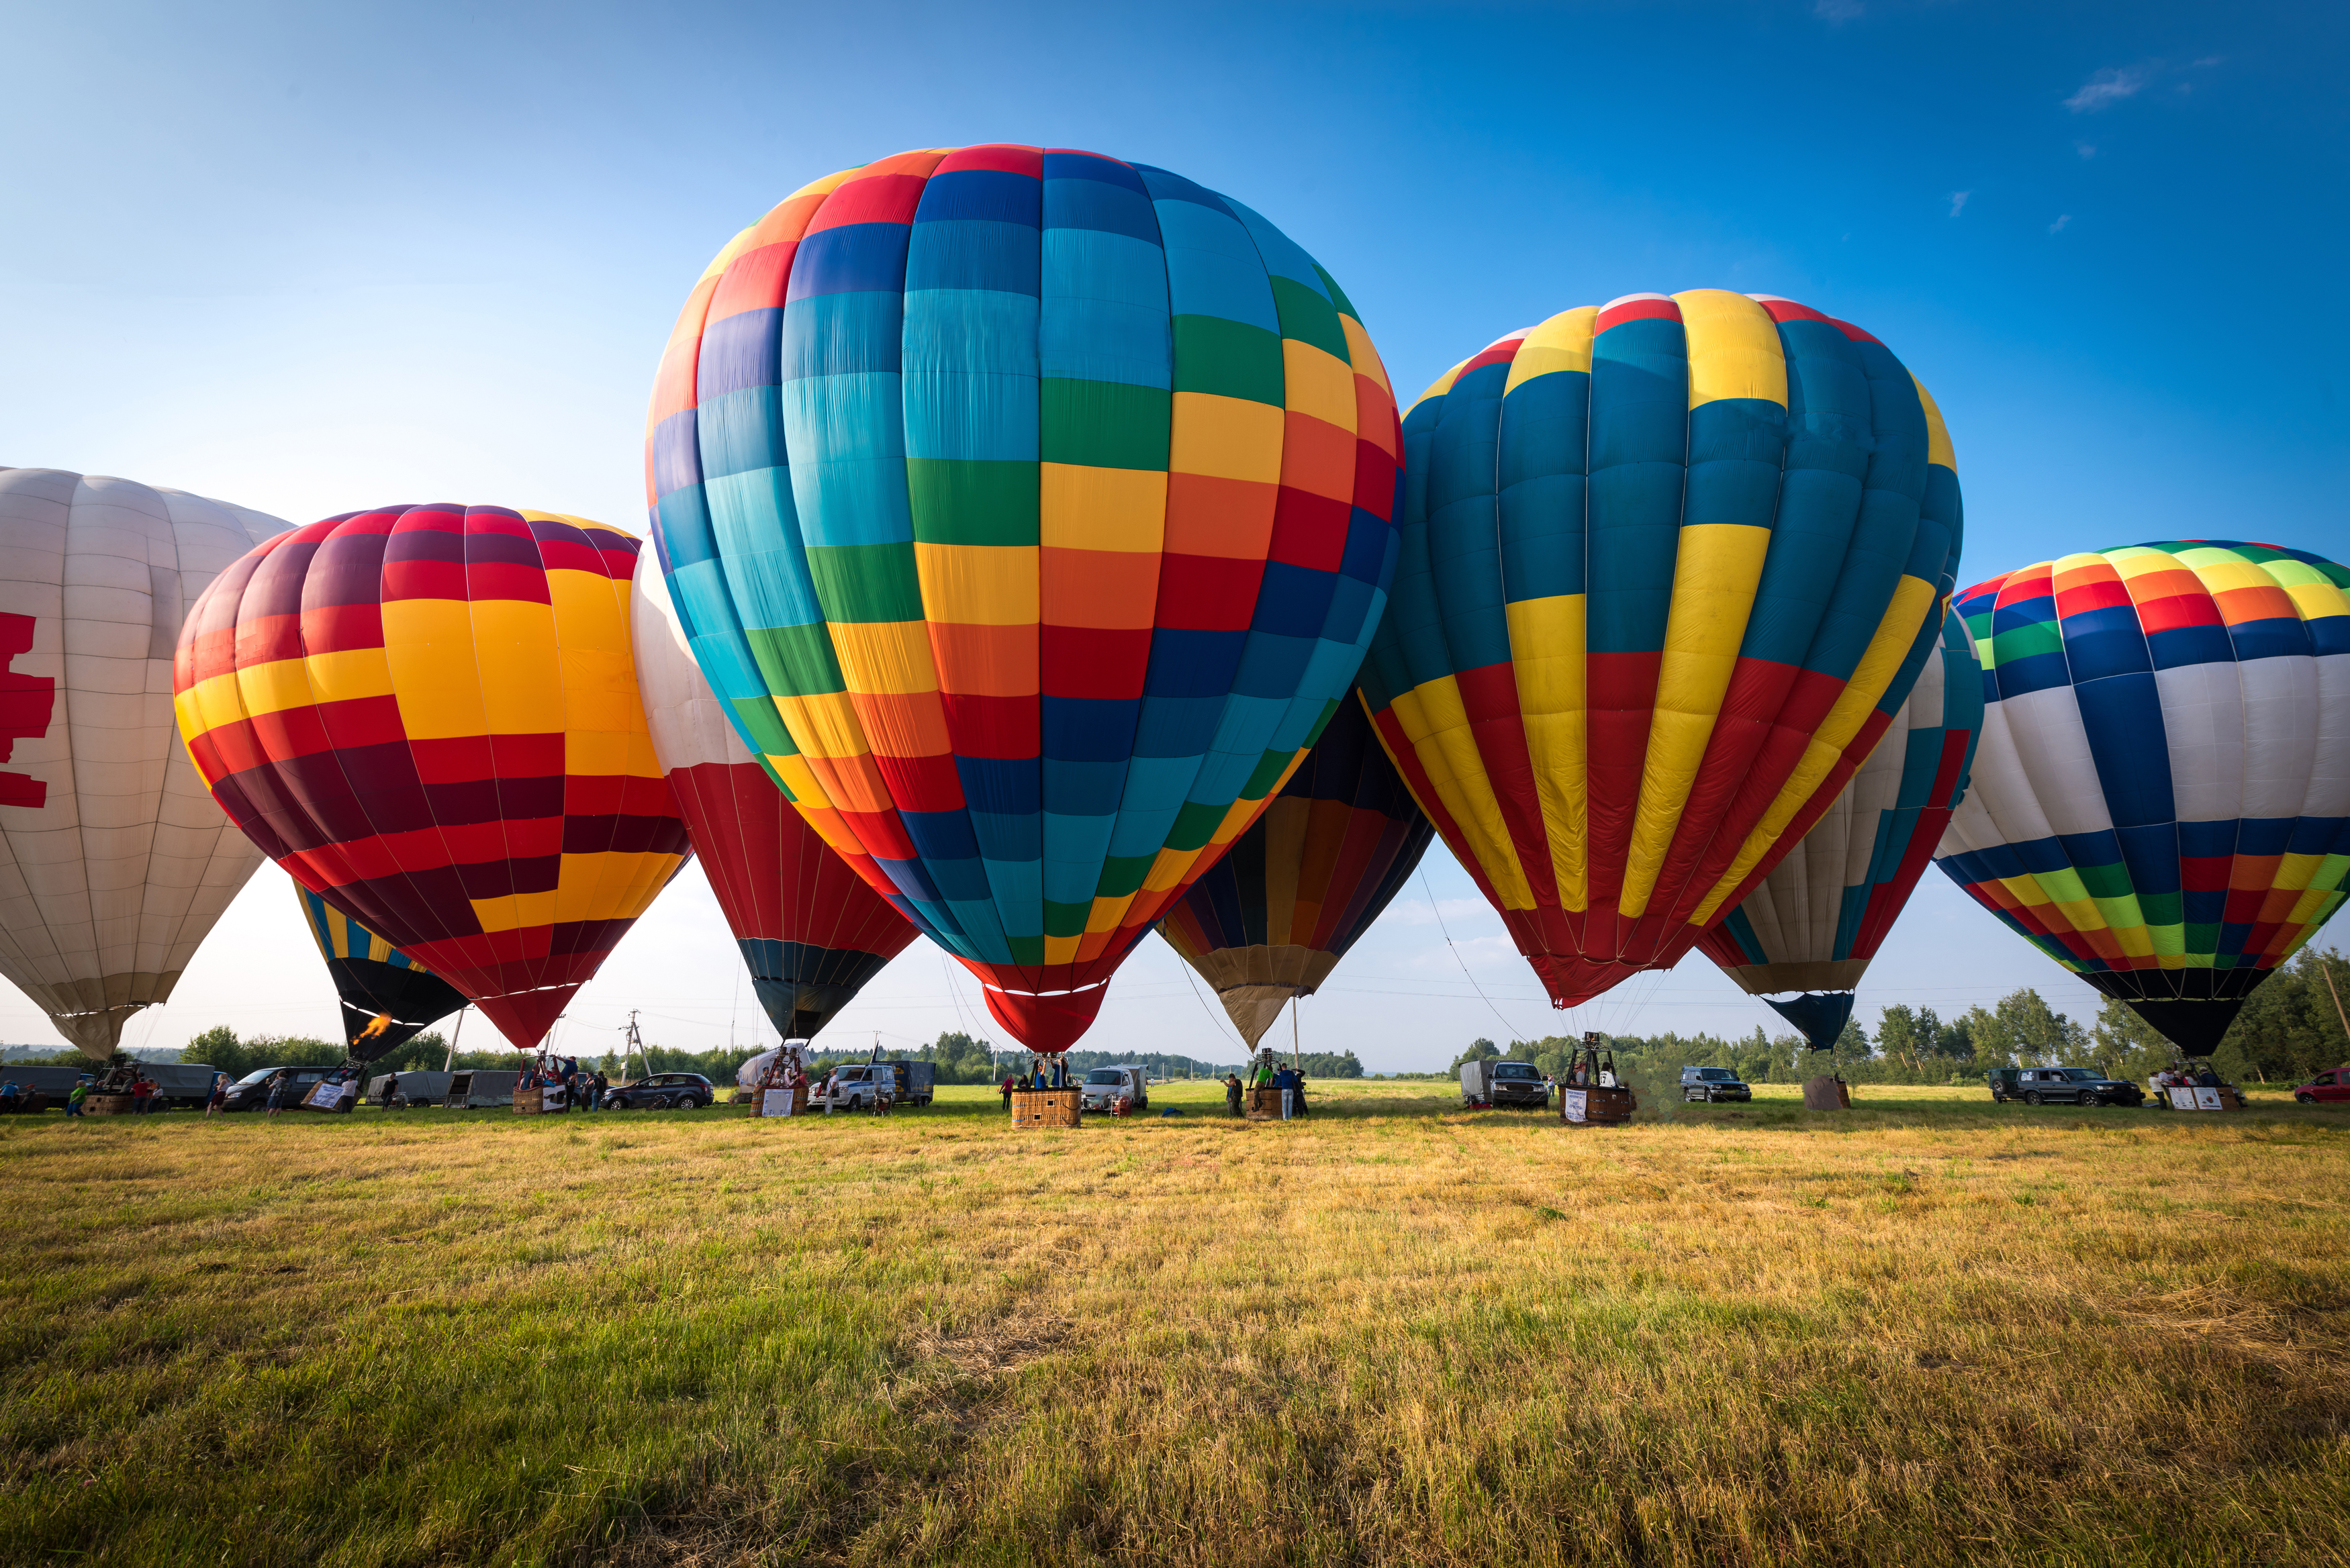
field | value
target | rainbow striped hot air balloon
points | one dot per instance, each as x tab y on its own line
1030	512
429	716
1269	921
2161	800
1813	923
387	997
1670	567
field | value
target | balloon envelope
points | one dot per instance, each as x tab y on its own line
1813	923
1030	512
387	997
1269	921
811	930
1670	567
113	866
2161	800
429	716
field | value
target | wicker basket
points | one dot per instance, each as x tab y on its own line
758	1100
1047	1108
1261	1104
1600	1108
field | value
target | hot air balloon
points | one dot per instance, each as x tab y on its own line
429	716
1813	923
112	867
1670	567
1029	511
387	997
1268	922
2161	800
812	932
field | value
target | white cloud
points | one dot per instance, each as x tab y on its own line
2110	86
2058	227
2210	60
2085	149
1837	10
1959	202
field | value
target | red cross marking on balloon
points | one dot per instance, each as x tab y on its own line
26	702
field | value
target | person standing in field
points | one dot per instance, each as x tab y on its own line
74	1098
1232	1092
142	1097
219	1097
1008	1082
276	1094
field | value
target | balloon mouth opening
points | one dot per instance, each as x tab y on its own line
1047	1022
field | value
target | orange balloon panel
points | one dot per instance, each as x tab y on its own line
429	716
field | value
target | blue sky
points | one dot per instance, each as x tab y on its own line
313	258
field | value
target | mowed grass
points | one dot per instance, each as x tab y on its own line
1925	1331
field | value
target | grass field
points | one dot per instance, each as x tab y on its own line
1925	1331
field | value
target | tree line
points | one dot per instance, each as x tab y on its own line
2288	1029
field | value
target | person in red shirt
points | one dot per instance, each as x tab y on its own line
1010	1083
142	1097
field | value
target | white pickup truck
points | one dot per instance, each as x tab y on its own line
1102	1086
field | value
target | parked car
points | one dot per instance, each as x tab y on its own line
661	1092
2061	1086
1102	1086
2325	1089
856	1086
1703	1085
1495	1083
251	1093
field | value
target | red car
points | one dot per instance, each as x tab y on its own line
2326	1088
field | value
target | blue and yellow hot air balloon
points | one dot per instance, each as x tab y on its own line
387	997
2161	800
1670	567
1030	511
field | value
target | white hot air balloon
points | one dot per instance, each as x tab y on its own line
114	861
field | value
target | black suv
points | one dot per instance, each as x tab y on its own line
1703	1085
2061	1086
251	1093
1518	1084
663	1091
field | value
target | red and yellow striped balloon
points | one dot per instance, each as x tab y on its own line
429	716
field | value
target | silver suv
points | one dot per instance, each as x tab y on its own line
1706	1084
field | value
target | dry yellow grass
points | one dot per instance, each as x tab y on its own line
1926	1331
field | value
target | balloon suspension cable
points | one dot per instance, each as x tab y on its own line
1194	984
1507	1027
449	1064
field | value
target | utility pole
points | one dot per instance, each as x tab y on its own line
635	1043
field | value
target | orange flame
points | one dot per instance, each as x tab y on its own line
382	1021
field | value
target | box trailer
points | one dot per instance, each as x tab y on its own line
480	1091
417	1088
56	1083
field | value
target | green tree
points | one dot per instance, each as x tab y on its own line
1480	1050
